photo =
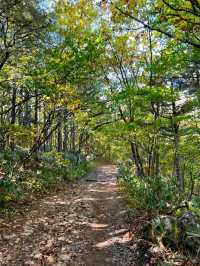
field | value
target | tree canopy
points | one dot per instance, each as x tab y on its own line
112	80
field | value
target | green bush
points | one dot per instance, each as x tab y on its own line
50	169
78	171
195	205
14	156
148	195
9	190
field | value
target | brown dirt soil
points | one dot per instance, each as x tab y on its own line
82	224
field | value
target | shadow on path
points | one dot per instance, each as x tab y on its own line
81	225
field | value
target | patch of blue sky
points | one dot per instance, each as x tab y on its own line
47	5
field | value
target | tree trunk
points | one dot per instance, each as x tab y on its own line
36	111
4	60
177	159
66	138
27	112
59	131
137	160
13	115
46	129
73	137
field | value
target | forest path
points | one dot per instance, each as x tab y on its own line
83	224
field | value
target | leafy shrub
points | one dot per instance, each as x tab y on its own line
148	195
195	205
14	156
6	189
55	158
182	232
50	169
78	171
9	190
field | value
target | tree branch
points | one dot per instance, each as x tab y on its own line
148	26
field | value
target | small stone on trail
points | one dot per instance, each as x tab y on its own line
50	259
29	263
37	256
65	257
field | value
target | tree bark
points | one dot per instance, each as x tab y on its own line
177	159
4	60
137	159
66	138
13	115
59	131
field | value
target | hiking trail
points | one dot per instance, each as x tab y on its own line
83	224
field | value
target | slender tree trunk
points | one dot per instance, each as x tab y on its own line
177	159
157	164
73	137
13	111
46	129
27	112
150	158
36	112
59	131
66	138
36	109
13	115
4	60
137	159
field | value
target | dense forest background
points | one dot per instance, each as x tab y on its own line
84	81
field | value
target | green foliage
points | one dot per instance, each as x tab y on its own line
79	170
9	190
50	170
195	205
148	195
13	156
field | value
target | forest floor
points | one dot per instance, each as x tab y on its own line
80	224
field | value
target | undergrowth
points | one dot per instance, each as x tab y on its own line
160	215
36	176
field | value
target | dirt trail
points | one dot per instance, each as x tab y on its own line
83	224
